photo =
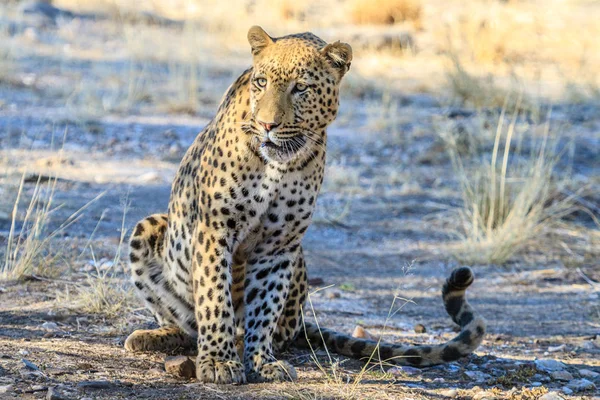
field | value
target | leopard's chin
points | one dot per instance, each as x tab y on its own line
278	154
281	152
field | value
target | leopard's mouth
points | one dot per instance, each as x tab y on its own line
282	150
268	143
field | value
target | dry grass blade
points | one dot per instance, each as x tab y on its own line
28	248
506	206
103	292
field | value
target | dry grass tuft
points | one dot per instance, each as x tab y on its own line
30	248
509	203
27	246
386	12
104	292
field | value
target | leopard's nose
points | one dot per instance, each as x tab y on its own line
269	126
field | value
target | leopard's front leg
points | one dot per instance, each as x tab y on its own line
267	286
218	360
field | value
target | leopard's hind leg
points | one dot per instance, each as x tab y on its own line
151	281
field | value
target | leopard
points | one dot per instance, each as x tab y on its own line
223	270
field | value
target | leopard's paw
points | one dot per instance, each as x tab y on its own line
210	370
142	340
274	371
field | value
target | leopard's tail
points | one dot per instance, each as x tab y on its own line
453	293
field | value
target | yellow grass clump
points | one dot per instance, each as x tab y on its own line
509	203
386	12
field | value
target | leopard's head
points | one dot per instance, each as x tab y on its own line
294	92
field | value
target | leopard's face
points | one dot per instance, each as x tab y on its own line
294	90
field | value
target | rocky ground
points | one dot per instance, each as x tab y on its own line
377	251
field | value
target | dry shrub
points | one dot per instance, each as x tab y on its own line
386	12
31	248
510	200
27	247
104	291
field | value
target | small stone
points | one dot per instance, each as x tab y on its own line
333	295
38	388
536	384
549	365
51	326
450	393
561	376
405	370
180	366
554	349
362	333
438	380
566	390
581	385
94	384
420	328
54	394
6	388
477	376
30	365
588	373
315	281
551	396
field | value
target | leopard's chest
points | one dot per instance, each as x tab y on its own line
278	216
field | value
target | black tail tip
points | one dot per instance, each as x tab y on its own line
461	278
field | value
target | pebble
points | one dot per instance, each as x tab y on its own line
477	376
333	295
362	333
561	376
580	385
450	393
549	365
180	366
315	281
536	384
405	370
438	380
420	328
6	388
588	373
54	394
554	349
551	396
50	326
566	390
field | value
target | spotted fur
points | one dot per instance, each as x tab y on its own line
453	294
226	261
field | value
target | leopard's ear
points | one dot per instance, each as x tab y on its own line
339	56
258	39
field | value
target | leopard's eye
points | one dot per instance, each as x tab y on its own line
300	87
260	82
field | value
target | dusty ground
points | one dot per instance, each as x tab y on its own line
384	219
